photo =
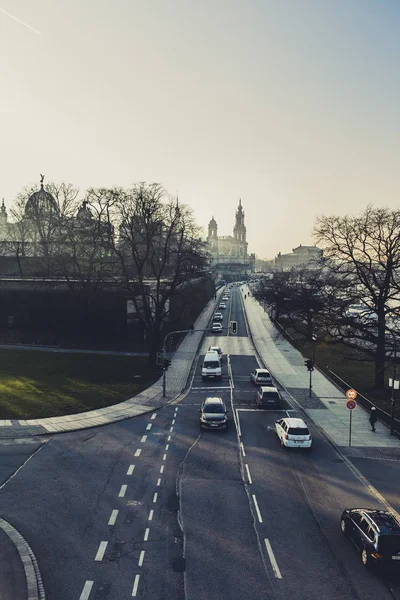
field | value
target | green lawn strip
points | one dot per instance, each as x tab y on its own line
352	365
46	384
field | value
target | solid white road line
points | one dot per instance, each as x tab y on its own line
153	416
122	491
166	447
141	558
162	469
248	409
149	426
158	482
238	424
135	585
130	469
144	438
155	497
257	509
164	457
113	517
100	551
151	513
248	474
220	387
138	451
146	534
87	588
272	558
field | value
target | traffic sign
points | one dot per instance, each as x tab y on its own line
351	404
351	394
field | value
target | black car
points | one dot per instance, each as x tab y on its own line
376	533
213	414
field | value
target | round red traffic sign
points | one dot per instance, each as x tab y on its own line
351	404
351	394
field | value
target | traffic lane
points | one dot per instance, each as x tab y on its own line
200	383
237	314
71	487
12	574
222	556
14	454
383	474
306	501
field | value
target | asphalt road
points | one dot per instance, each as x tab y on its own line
154	508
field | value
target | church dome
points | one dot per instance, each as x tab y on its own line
41	202
212	223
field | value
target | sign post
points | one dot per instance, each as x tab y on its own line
351	404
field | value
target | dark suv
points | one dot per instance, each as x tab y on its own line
376	533
213	414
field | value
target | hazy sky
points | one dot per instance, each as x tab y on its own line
292	105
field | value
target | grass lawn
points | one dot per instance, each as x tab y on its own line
354	366
46	384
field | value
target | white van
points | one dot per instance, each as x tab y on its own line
211	366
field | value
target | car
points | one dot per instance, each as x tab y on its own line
293	433
376	534
267	395
218	317
216	349
213	414
211	368
222	305
225	297
260	377
216	328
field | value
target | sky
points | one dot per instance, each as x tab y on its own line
290	105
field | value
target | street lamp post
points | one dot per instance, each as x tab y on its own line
393	406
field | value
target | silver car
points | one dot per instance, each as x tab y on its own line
261	377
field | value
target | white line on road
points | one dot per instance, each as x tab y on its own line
122	491
169	438
173	422
87	588
130	469
164	457
135	585
153	416
146	534
248	474
167	446
242	449
272	558
144	438
155	497
113	517
238	424
100	551
257	509
149	426
141	558
171	429
162	469
177	408
138	451
158	482
220	387
248	409
151	513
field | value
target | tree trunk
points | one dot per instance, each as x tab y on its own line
380	356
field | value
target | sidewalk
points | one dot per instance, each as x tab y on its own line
327	405
146	401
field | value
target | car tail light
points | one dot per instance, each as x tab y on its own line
376	555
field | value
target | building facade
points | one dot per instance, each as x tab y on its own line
230	252
299	257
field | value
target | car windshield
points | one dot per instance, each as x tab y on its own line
298	431
214	408
211	365
263	374
270	395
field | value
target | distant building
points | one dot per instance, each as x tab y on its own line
299	257
230	252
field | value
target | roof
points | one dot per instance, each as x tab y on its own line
41	202
292	422
214	400
268	388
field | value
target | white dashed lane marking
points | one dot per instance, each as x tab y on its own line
158	482
144	438
166	447
169	438
113	517
135	585
153	416
100	551
141	558
272	558
257	509
162	469
87	588
164	457
155	497
248	474
138	451
122	491
130	469
146	534
149	426
171	429
151	513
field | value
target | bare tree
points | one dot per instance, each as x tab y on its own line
364	251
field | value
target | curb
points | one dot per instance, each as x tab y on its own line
34	581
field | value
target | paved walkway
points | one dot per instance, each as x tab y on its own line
146	401
327	406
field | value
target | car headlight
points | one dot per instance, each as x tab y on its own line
203	419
